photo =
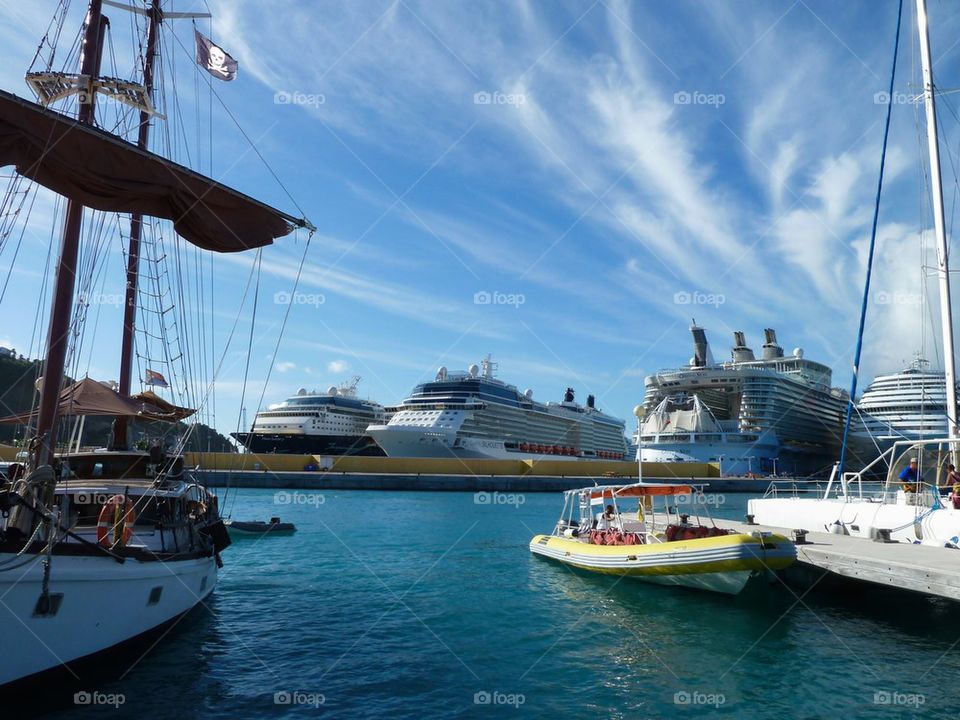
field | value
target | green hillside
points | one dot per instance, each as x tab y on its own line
17	379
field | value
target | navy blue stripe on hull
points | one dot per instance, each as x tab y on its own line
309	444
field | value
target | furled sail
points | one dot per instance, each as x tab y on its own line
106	173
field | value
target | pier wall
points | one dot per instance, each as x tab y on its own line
454	483
249	462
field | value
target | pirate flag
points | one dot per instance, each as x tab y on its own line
214	60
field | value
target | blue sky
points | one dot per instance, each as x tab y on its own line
602	172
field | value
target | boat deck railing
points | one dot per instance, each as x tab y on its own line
796	488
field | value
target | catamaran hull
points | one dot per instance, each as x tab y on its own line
861	518
722	564
104	605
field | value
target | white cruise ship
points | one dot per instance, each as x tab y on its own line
311	423
473	414
775	413
908	405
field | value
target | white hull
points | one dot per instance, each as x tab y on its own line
104	604
733	458
729	582
416	443
861	518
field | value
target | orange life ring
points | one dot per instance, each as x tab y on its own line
110	518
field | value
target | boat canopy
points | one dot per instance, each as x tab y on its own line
106	173
89	397
637	490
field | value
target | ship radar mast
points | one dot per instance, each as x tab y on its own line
487	365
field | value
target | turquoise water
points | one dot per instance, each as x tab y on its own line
426	605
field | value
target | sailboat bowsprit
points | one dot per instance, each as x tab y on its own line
100	548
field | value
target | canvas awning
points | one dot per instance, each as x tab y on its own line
154	407
641	491
89	397
106	173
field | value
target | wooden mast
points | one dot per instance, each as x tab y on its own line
63	293
120	440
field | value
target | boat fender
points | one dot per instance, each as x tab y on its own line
837	528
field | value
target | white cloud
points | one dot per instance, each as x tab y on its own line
338	366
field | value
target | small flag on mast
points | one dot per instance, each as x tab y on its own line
212	58
156	379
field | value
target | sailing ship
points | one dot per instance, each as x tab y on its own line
100	549
907	507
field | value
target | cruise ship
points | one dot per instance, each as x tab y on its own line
908	405
311	423
475	415
775	413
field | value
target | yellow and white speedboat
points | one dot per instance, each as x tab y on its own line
672	548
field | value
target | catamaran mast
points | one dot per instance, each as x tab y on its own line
943	264
62	306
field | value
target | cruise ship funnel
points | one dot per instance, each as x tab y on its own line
771	350
701	349
741	353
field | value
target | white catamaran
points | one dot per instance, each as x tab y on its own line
907	507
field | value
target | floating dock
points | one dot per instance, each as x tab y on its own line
920	568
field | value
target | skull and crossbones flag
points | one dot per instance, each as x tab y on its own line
212	58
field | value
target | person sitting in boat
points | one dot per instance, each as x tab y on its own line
955	497
953	478
605	518
910	477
